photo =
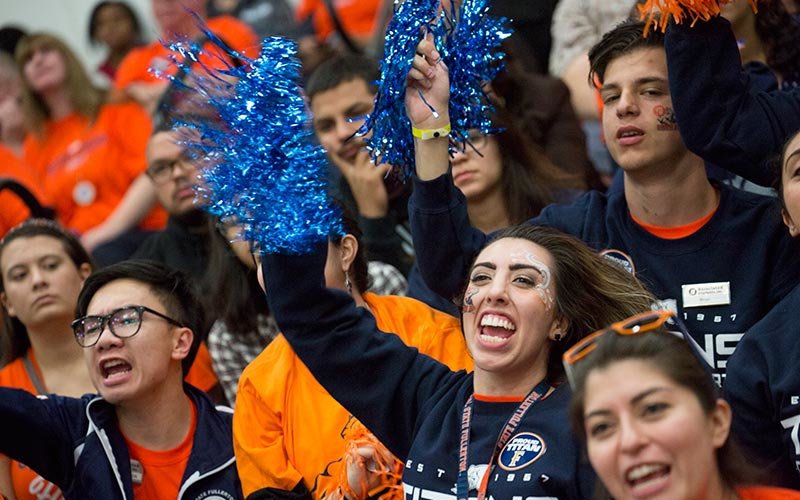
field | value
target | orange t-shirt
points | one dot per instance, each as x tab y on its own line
677	232
158	474
88	167
766	493
137	64
288	429
13	210
357	16
27	484
201	374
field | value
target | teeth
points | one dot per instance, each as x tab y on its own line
112	363
629	134
643	471
489	338
497	321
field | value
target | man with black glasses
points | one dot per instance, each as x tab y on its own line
184	243
145	434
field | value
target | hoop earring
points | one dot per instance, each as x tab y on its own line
557	337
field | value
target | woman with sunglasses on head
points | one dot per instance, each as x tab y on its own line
42	270
531	293
652	418
763	382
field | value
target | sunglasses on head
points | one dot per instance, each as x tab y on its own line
640	323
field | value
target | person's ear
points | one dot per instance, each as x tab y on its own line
84	271
182	342
7	304
787	219
721	422
349	248
559	329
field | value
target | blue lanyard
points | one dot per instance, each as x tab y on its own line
462	485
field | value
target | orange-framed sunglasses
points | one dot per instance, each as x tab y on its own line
640	323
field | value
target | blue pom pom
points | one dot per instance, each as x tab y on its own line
261	167
468	40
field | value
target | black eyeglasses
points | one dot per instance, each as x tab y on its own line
475	142
161	171
122	323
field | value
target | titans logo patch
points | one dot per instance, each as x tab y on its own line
521	451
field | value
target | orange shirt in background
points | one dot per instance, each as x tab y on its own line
288	429
137	64
201	374
161	471
357	16
13	210
87	167
27	484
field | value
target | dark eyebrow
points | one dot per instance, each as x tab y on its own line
357	107
641	81
634	401
484	264
159	163
516	267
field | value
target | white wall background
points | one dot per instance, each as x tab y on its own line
69	19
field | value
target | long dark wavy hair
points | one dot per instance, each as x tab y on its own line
590	291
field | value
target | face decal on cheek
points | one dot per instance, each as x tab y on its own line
468	306
666	118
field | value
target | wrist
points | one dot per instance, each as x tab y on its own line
432	122
426	134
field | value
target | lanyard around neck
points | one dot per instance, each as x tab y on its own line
462	485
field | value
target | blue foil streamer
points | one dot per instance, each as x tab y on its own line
260	167
468	40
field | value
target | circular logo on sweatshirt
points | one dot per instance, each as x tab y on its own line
523	449
214	495
620	258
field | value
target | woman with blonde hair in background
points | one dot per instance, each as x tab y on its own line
86	151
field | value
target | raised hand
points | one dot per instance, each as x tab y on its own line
428	76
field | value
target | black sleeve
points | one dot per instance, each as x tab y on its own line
37	432
300	492
375	376
721	117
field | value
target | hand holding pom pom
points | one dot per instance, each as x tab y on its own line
660	12
428	88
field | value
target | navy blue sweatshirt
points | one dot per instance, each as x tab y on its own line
412	403
75	443
744	244
763	387
722	116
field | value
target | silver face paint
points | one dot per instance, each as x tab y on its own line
544	287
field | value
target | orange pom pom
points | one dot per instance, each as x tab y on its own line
388	470
657	13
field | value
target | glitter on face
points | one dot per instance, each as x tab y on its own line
544	287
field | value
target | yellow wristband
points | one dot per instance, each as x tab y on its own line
426	134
